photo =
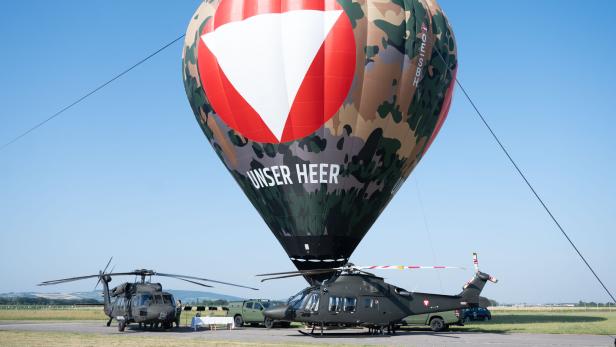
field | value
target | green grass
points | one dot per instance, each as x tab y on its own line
553	322
79	313
46	339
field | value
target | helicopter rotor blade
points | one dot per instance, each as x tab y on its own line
71	279
302	272
286	274
194	282
202	279
404	267
105	269
280	277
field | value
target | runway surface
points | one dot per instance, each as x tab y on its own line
359	337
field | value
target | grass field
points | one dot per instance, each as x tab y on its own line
79	313
552	322
44	339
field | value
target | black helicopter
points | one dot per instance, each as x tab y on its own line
353	297
140	302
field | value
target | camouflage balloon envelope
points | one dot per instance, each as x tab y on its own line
319	109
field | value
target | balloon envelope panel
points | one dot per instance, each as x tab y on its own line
319	109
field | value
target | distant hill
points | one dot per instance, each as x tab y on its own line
191	295
186	296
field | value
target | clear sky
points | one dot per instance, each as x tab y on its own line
129	173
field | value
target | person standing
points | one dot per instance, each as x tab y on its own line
178	312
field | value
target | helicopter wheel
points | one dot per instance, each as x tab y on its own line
121	325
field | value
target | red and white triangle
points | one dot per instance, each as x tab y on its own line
267	56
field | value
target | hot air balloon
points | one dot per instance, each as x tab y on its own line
319	109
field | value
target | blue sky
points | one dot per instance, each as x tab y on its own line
128	173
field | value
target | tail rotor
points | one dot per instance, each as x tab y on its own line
102	273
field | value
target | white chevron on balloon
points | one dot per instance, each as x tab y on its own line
267	56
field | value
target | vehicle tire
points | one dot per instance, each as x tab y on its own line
238	320
167	325
437	324
121	325
268	322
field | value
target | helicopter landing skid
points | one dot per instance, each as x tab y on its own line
311	334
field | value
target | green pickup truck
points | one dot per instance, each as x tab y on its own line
251	312
439	321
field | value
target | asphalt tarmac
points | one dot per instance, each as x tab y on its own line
351	336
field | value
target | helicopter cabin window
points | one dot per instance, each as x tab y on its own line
311	303
350	304
371	303
334	304
249	305
341	304
168	299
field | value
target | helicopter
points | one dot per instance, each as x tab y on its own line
353	297
142	301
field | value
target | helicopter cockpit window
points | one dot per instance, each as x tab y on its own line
158	299
402	292
296	300
168	299
145	300
311	302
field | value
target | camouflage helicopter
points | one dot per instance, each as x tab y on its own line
352	297
142	301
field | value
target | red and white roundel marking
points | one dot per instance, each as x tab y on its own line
277	70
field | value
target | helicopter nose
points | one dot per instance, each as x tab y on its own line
277	313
